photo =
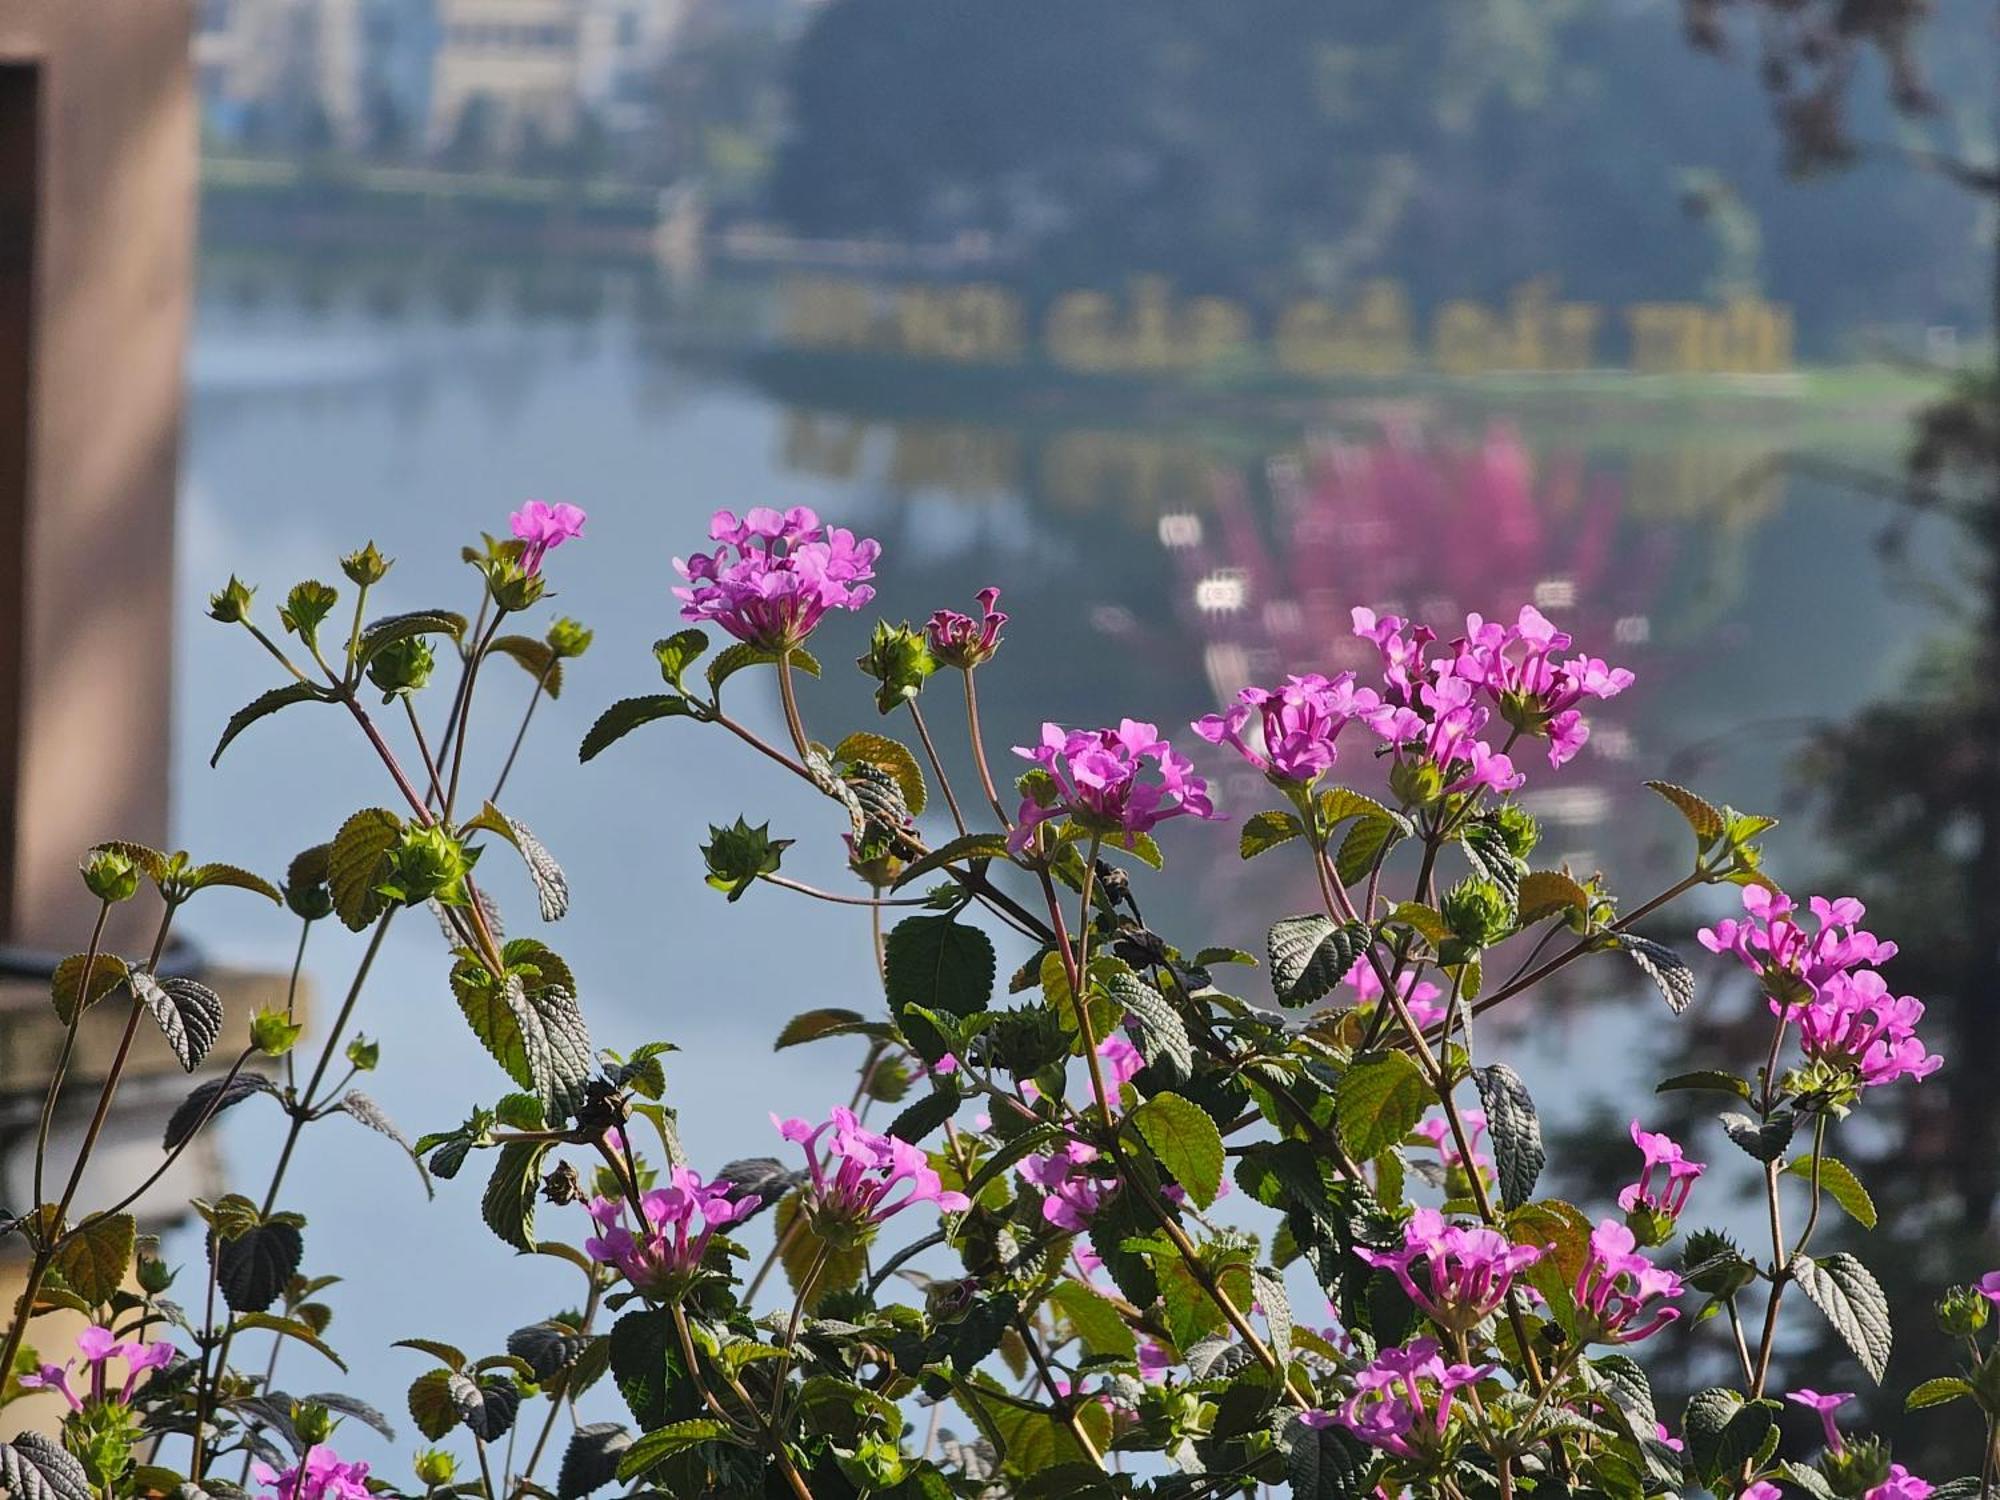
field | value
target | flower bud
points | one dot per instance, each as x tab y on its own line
1857	1467
568	638
312	1422
1518	829
111	875
1650	1226
366	567
364	1053
899	659
1417	782
738	854
306	607
434	1467
403	666
231	603
153	1274
273	1033
1478	913
1962	1312
1712	1263
511	585
426	864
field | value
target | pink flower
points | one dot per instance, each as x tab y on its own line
1516	665
1826	1406
1402	1402
1072	1196
1428	715
1763	1489
1900	1485
545	527
319	1476
1779	949
1989	1287
667	1248
1154	1362
1466	1271
1617	1287
1094	776
1669	1196
856	1173
1297	724
960	641
1437	1130
99	1346
785	573
1855	1025
1668	1440
1425	1000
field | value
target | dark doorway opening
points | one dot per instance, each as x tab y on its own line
20	193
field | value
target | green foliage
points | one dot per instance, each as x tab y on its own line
940	964
1843	1289
1185	1141
263	706
1379	1101
627	715
1310	955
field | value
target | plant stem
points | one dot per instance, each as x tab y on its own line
788	695
541	682
979	748
68	1047
937	764
1065	1406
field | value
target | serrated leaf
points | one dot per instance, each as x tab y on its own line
448	1355
1267	830
811	1025
431	1405
1325	1462
1546	892
534	657
1667	969
1723	1431
1096	1319
627	715
677	653
253	1268
1367	841
969	846
1268	1288
188	1013
551	885
487	1406
1516	1129
208	1099
357	864
1379	1101
1309	956
290	1328
889	755
107	972
358	1106
547	1348
1763	1140
1844	1290
1185	1141
508	1204
665	1442
536	1032
1702	816
262	707
940	964
392	628
1023	1145
734	659
202	877
1706	1078
1936	1392
1163	1035
94	1259
926	1115
591	1460
1838	1182
33	1467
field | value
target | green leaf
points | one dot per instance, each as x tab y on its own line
508	1205
1186	1142
940	964
1378	1102
1706	1078
1842	1288
591	1460
392	628
449	1355
262	707
971	846
94	1260
926	1115
34	1467
652	1448
208	1099
1163	1036
253	1268
1096	1319
107	972
188	1013
551	885
1142	846
1936	1392
627	715
811	1025
735	658
537	658
1546	892
1369	839
677	653
878	750
431	1405
1266	830
1837	1181
1762	1140
1723	1431
1702	816
358	863
529	1020
1667	969
290	1328
1023	1145
1326	1463
1516	1130
201	877
1309	956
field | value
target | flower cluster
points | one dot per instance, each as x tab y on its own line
1618	1288
774	574
1095	777
320	1475
667	1248
1783	953
1296	724
856	1174
1437	1130
98	1347
1517	666
1073	1195
1424	999
959	641
543	528
1430	716
1856	1027
1402	1402
1658	1203
1466	1272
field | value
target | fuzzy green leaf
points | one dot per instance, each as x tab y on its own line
508	1205
1378	1102
627	715
1843	1289
1186	1142
262	707
94	1260
940	964
358	862
1267	830
1838	1182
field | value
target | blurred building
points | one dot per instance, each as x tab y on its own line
343	74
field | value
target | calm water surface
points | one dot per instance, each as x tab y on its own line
1156	552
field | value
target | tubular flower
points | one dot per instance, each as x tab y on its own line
1430	717
1774	945
856	1175
99	1346
1669	1195
1072	1196
785	573
1617	1287
1989	1287
1854	1025
1517	666
320	1475
1425	1000
1826	1406
1763	1489
544	527
960	641
1402	1402
1296	724
1466	1271
1094	776
667	1249
1437	1130
1900	1485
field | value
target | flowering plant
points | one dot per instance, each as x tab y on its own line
1093	1323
